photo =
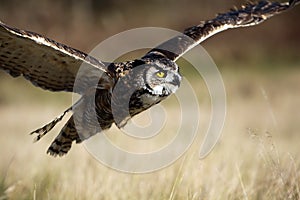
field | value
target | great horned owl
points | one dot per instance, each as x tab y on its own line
115	91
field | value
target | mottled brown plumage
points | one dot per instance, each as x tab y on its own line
111	92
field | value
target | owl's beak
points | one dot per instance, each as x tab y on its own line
176	81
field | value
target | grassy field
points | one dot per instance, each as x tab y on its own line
256	158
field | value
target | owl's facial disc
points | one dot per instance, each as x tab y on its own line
162	81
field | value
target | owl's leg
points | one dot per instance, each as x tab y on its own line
48	127
63	142
45	129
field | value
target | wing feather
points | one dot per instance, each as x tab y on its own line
45	62
248	15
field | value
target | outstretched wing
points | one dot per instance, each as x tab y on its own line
45	62
249	15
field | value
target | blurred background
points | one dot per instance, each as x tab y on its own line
83	24
258	155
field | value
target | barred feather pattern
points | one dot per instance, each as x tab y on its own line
248	15
46	128
63	142
44	62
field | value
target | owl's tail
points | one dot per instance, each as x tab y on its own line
63	142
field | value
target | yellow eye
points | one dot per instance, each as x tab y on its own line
160	74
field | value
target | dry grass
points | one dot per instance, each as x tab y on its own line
257	157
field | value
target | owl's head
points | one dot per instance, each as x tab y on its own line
161	76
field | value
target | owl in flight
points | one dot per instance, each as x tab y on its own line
112	92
